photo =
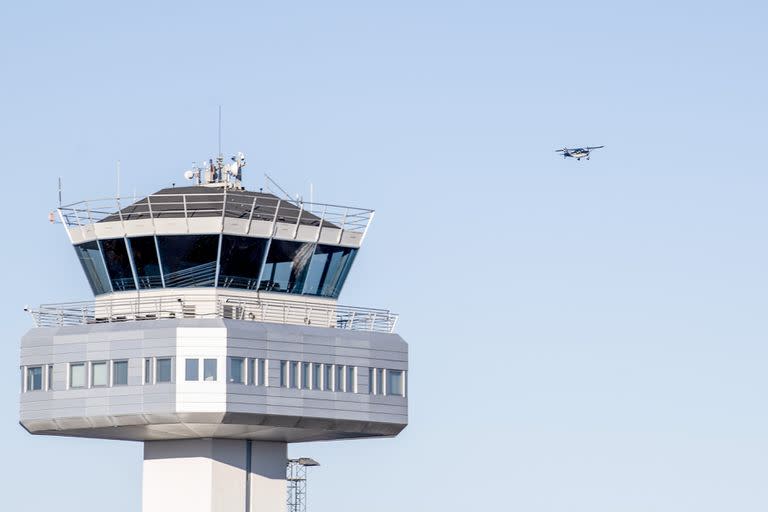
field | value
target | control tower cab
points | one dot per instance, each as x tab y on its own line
215	338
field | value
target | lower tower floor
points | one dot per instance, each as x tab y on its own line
214	475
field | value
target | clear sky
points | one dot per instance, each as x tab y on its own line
584	336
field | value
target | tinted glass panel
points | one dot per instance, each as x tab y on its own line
305	375
394	382
118	264
286	266
188	260
99	374
120	373
350	379
163	372
339	378
328	270
236	370
192	369
328	378
209	369
262	372
317	374
144	254
93	265
241	261
77	375
34	378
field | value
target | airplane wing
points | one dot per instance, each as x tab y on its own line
559	150
594	147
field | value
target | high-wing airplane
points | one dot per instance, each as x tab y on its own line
578	153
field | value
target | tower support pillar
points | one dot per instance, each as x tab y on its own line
214	475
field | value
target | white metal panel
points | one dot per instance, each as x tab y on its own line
202	225
235	226
351	239
109	230
307	233
329	235
261	228
140	227
170	226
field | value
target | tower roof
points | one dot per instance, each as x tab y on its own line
202	201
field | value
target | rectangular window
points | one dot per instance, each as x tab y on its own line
317	375
395	382
339	378
328	377
305	375
34	378
120	373
262	380
350	380
77	377
251	371
99	374
192	369
371	381
49	383
236	370
379	381
148	371
210	370
294	374
283	374
163	370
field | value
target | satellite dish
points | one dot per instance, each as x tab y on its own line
189	175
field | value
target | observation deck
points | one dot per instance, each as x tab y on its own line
214	315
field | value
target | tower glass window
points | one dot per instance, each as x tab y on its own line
93	266
120	373
262	379
317	375
144	252
148	371
328	377
294	374
188	260
286	266
77	375
339	378
395	382
99	374
34	378
236	370
192	369
118	264
210	367
283	374
305	375
350	379
328	269
240	262
163	370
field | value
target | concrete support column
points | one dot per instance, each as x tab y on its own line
214	475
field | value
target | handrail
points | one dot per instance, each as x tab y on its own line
225	204
230	307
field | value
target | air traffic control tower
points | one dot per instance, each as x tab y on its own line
214	338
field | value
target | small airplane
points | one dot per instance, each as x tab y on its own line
577	153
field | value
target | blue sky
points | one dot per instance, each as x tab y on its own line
585	336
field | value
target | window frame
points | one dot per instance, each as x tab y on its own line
77	364
113	373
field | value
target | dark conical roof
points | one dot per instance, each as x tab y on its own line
201	201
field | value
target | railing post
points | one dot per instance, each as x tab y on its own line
250	216
341	226
186	218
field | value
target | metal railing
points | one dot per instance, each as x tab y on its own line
249	206
238	308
